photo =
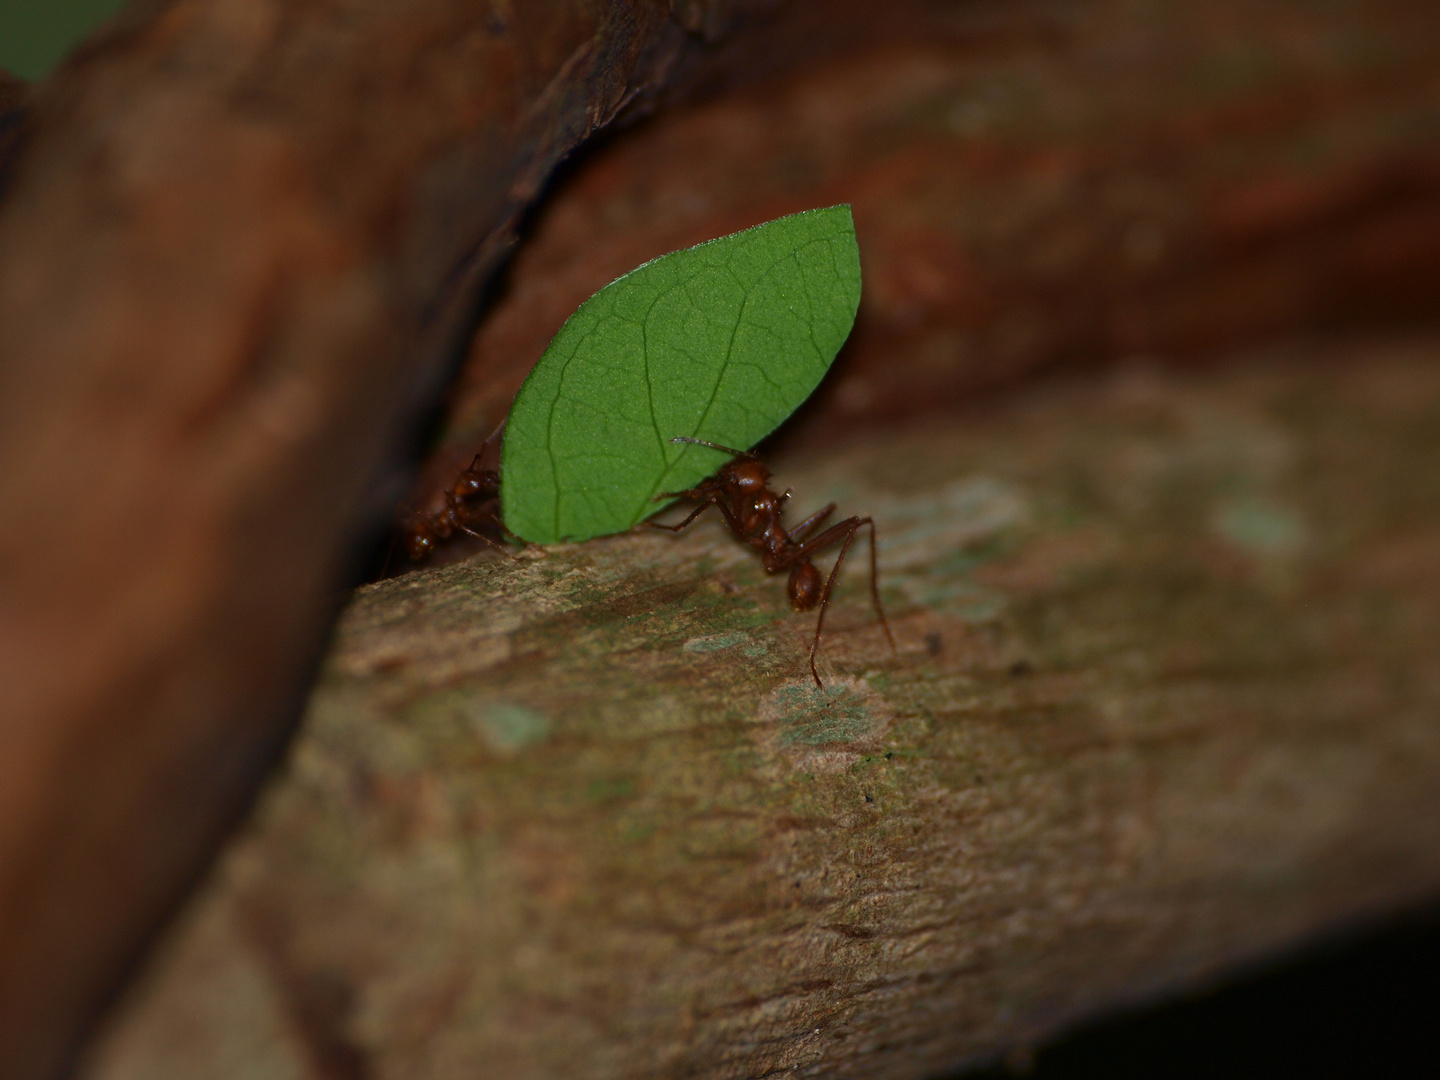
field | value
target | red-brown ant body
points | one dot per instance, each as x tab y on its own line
741	492
471	503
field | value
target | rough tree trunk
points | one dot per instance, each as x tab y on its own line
1166	699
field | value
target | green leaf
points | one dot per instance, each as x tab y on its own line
720	342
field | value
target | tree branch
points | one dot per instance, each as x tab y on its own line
239	252
1165	702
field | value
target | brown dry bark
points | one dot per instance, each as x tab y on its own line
240	242
1034	185
1166	700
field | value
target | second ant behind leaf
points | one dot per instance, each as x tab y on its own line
470	505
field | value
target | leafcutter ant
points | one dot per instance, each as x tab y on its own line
471	504
741	492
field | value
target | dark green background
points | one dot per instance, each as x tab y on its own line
35	35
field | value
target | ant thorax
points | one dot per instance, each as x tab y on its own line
760	516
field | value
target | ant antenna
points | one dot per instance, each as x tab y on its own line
714	446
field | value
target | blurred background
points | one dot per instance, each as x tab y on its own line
1140	179
36	34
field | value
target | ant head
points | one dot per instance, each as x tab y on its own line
804	586
475	481
747	475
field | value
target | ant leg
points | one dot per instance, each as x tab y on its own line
814	521
684	524
875	591
700	494
493	543
705	492
815	544
851	526
492	437
710	501
714	446
847	528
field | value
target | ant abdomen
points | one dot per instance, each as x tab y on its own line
804	586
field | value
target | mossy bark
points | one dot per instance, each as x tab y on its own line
1165	700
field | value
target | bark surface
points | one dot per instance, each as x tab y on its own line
1165	700
239	244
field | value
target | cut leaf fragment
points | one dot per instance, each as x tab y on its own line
720	342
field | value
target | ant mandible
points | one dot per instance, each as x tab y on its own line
471	502
741	492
